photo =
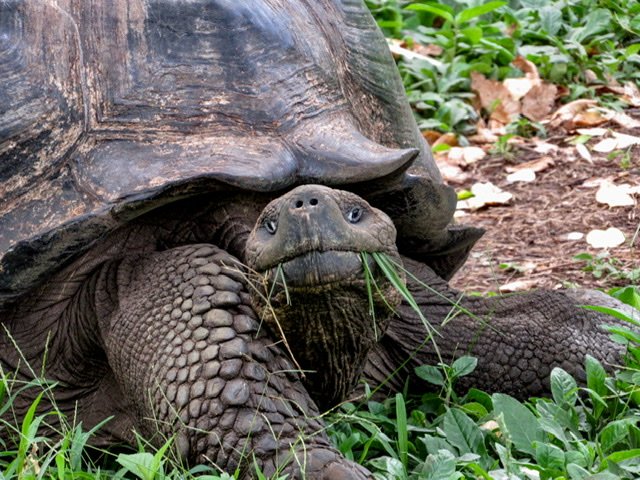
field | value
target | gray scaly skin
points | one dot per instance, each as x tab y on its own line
163	331
169	343
518	339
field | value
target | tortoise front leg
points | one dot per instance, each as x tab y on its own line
518	339
187	349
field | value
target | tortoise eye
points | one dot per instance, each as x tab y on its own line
270	226
354	215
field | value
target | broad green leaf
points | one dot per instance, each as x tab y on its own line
629	295
421	7
549	456
464	366
614	312
598	21
475	409
431	374
139	464
623	335
473	34
618	457
576	472
479	471
534	4
391	467
614	433
563	387
566	417
463	433
483	398
441	466
632	50
435	444
576	457
596	375
551	426
634	23
473	12
519	422
499	48
596	387
550	19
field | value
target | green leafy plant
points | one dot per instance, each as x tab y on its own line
578	44
603	265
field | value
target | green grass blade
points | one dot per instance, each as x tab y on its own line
403	431
390	271
368	278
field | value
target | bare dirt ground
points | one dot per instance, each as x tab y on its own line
531	233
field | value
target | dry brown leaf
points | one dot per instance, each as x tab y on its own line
589	118
539	101
483	135
622	119
497	127
495	98
464	156
615	195
452	173
537	165
524	175
518	87
625	141
528	68
609	238
545	147
430	50
398	49
491	426
619	141
575	236
518	286
594	182
565	115
584	152
631	94
431	136
590	76
506	111
593	132
450	139
485	194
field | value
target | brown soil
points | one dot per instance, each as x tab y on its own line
532	230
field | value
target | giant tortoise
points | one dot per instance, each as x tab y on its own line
187	190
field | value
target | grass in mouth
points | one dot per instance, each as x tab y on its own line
392	272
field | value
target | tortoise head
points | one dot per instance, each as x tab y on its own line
316	285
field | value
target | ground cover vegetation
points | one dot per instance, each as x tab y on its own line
586	50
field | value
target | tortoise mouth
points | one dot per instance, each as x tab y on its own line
320	268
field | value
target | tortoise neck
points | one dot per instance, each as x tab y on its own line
330	334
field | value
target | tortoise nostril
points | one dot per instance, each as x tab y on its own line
313	201
299	203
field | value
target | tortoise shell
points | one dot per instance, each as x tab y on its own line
109	109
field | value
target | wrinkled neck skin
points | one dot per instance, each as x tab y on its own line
329	331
